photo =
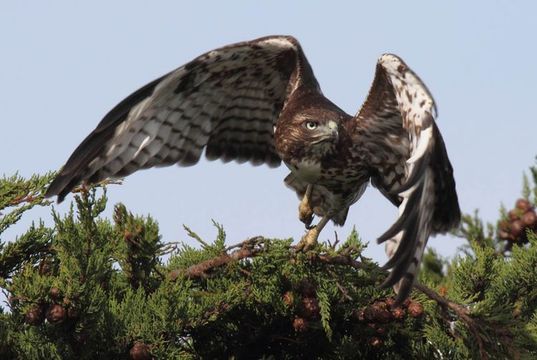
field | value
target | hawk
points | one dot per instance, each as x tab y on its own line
259	102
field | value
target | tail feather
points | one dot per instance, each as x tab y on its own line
406	248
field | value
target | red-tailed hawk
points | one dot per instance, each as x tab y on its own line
259	102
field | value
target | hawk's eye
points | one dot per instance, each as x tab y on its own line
311	125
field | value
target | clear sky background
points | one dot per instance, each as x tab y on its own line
64	64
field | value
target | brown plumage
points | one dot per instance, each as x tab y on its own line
259	102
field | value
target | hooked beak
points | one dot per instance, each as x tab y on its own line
328	132
332	128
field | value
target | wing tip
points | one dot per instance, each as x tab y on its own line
404	288
396	66
389	61
402	285
61	186
278	40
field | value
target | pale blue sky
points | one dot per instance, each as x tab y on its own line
64	64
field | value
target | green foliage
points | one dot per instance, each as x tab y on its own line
90	287
21	195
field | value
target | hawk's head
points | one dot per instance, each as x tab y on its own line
306	135
310	127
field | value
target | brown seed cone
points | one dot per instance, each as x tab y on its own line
359	315
523	205
288	298
415	309
300	324
310	308
140	351
56	314
389	301
378	312
34	316
54	293
514	214
517	228
503	225
45	267
127	235
529	219
375	342
505	235
398	313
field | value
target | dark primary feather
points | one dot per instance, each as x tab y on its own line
226	101
410	166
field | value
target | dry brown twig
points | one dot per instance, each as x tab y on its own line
256	240
346	260
336	241
344	292
201	270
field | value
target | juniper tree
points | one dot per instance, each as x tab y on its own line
92	287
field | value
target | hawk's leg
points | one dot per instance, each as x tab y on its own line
305	212
309	240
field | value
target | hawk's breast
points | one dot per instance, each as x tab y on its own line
306	169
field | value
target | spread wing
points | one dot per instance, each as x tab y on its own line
226	101
410	164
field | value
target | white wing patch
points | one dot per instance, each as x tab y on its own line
424	139
410	91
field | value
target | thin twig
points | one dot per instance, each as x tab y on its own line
250	242
337	260
169	247
285	338
344	291
336	241
195	236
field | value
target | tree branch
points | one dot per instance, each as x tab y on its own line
201	270
250	248
461	312
337	260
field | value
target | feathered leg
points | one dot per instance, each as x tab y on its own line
305	212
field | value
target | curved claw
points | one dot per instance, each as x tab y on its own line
307	221
309	226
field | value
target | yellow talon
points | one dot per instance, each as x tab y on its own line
309	240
